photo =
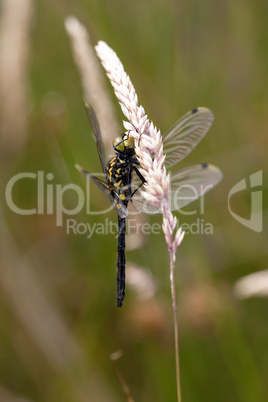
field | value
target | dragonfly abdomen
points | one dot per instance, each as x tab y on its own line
121	261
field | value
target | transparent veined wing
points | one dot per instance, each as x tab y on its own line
137	199
190	183
142	205
97	134
116	201
185	134
187	185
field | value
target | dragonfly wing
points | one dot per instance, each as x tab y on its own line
142	205
119	206
137	199
191	183
97	134
186	186
116	201
186	133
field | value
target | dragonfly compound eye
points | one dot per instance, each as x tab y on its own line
119	144
128	141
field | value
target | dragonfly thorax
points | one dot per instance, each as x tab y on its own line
118	172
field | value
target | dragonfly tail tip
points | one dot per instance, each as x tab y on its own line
119	303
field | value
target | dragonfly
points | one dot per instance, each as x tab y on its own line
124	182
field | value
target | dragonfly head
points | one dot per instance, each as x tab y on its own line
124	145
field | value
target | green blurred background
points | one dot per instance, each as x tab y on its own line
59	322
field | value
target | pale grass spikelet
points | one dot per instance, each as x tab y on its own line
178	238
169	225
93	84
123	88
150	149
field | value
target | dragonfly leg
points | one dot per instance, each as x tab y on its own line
129	169
140	176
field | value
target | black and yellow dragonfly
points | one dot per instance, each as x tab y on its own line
123	181
117	186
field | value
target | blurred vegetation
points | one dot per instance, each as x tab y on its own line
58	303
